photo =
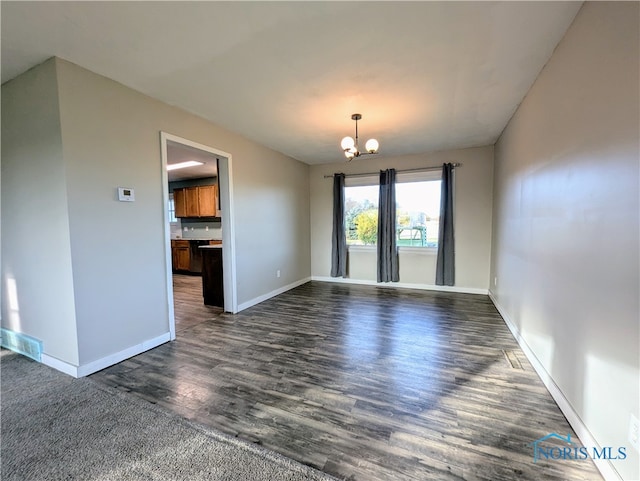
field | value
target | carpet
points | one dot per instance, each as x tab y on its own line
54	427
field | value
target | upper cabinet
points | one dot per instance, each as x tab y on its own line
179	203
200	201
191	201
208	200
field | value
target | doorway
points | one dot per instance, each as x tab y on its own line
170	144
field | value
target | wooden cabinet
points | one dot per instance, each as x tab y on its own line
192	207
200	201
186	256
181	255
208	200
179	203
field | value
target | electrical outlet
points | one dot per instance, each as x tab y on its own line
634	432
495	281
278	273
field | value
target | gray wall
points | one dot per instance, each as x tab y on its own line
473	200
196	229
565	234
272	221
110	138
36	252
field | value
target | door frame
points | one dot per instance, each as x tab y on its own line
225	180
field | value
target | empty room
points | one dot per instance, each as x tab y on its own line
320	240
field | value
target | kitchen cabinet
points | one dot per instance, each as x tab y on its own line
208	200
200	201
186	256
181	255
192	205
179	203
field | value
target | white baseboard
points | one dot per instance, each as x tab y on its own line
402	285
59	365
99	364
269	295
605	467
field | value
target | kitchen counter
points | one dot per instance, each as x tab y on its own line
214	246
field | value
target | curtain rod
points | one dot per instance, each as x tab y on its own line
423	169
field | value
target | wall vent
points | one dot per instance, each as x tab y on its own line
512	359
21	343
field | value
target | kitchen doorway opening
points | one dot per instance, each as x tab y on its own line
207	161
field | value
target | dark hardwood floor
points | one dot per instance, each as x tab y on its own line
365	383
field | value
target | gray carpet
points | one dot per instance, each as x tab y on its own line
54	427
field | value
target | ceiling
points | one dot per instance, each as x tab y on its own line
424	75
177	153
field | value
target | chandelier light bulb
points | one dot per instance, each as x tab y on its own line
372	146
347	143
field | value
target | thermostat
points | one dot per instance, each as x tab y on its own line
126	194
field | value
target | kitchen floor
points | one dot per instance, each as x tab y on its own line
188	302
365	383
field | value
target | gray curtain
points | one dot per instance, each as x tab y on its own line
388	265
445	265
338	237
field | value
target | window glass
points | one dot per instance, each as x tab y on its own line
417	211
361	214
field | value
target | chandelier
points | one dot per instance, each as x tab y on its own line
350	146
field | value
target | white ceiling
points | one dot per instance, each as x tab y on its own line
177	153
425	75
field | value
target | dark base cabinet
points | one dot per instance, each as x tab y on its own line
212	287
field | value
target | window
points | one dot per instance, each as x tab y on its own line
361	210
417	209
417	213
172	209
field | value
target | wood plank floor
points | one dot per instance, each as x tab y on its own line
188	304
362	382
